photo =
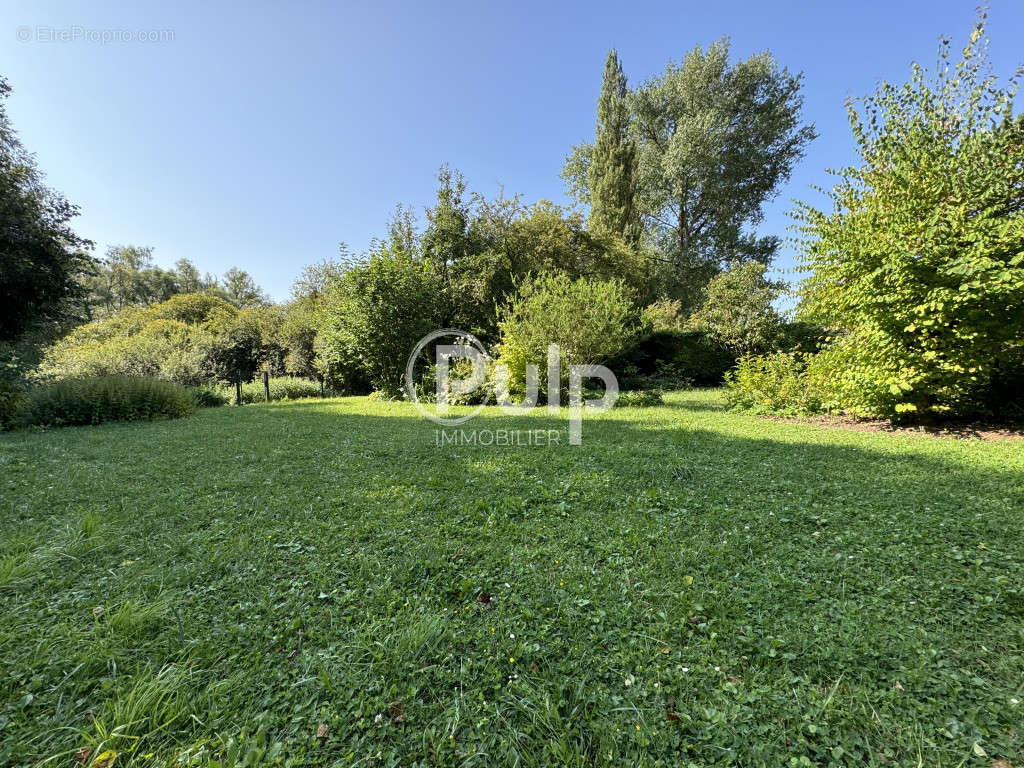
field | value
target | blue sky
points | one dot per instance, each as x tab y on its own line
260	135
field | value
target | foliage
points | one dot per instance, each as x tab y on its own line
451	250
241	290
12	399
921	259
42	256
613	161
641	398
190	338
737	309
128	277
663	315
373	315
776	383
281	388
801	336
301	318
131	344
672	359
479	249
208	397
99	399
362	550
590	320
714	141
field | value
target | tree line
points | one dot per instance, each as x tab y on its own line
911	301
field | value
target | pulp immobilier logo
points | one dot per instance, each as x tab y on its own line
450	345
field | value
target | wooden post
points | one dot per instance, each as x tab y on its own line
266	386
238	388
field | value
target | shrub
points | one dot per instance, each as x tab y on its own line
193	308
372	316
460	368
663	315
921	256
98	399
590	320
208	397
283	388
12	399
775	383
737	309
801	336
673	359
191	339
640	399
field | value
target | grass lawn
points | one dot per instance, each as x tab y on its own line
688	587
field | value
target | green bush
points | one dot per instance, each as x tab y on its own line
640	399
283	388
460	368
12	399
192	339
663	315
98	399
672	359
737	309
777	383
373	314
800	336
590	320
208	397
920	256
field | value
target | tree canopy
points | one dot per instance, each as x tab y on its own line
41	257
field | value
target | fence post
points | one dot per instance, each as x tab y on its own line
238	388
266	385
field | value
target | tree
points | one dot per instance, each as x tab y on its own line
241	290
128	277
714	143
479	249
373	315
447	245
187	278
298	330
738	311
41	258
611	183
920	261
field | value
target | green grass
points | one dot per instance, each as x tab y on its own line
688	587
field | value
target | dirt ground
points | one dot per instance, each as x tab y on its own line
964	431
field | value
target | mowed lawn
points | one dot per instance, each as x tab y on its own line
688	587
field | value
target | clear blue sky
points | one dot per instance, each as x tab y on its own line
262	135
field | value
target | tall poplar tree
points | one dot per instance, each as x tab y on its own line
612	189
